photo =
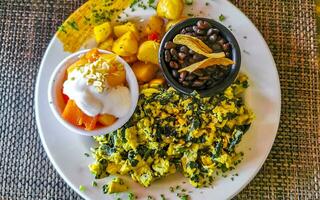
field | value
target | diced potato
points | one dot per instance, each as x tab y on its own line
120	30
157	81
116	78
130	59
154	25
107	44
102	32
126	45
144	71
171	23
170	9
106	119
148	52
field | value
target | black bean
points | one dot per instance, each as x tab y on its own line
226	46
228	55
200	32
174	65
169	45
182	76
203	24
184	49
183	31
195	28
191	77
189	29
221	41
198	57
204	77
213	37
185	83
174	53
191	60
167	56
175	73
198	83
210	31
198	73
191	51
216	48
182	55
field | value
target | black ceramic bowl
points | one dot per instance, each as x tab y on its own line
235	55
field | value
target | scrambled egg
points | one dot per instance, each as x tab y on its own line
172	132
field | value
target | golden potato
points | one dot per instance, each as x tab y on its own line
154	25
130	59
107	44
148	52
120	30
144	71
102	32
170	9
126	45
157	81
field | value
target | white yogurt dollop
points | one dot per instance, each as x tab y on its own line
112	100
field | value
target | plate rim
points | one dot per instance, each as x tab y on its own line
83	195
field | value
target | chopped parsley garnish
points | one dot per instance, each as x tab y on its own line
94	184
86	154
62	29
131	196
162	197
171	189
74	25
207	3
222	18
82	188
184	197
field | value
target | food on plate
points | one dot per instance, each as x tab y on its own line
126	45
121	29
154	25
144	71
172	132
116	185
170	9
199	57
78	28
102	31
148	52
107	44
95	91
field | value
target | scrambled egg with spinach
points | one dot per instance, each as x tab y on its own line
172	132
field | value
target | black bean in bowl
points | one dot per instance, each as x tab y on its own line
207	81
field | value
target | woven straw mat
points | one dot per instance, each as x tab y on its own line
292	168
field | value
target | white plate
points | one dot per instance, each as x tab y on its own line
66	150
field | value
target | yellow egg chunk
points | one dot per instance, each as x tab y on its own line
120	30
102	32
144	71
148	52
107	44
115	186
126	45
170	9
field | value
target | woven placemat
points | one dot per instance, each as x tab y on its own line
292	168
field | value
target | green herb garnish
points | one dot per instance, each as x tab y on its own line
82	188
222	18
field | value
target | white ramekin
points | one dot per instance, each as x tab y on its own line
56	100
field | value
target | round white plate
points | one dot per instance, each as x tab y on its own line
66	150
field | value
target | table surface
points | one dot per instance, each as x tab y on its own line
292	170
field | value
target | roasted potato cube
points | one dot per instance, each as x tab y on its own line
148	52
120	30
126	45
106	119
171	23
154	25
102	32
107	44
144	71
170	9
